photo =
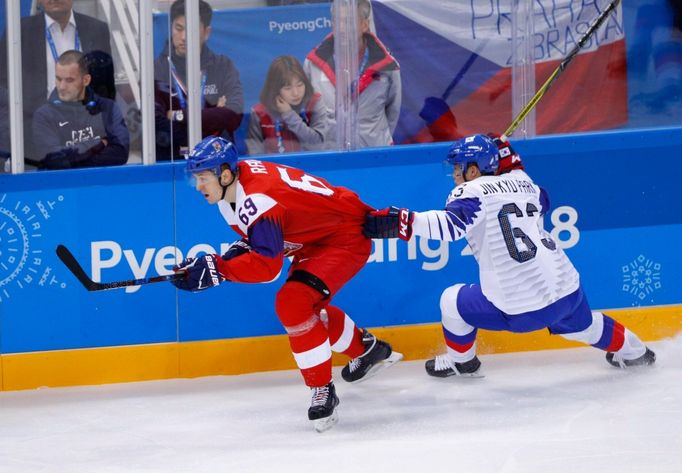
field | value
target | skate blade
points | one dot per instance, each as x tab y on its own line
393	358
326	423
477	374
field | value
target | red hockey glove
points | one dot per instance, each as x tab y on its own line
201	273
509	159
390	222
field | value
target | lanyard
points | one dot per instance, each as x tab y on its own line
278	131
181	89
361	69
363	65
53	48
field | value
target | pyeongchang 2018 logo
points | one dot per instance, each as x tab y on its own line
22	251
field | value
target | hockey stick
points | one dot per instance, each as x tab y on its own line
564	64
70	262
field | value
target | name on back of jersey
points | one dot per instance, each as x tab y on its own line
508	186
255	166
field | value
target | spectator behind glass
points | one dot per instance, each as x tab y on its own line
379	84
44	37
222	97
290	116
77	128
101	69
277	3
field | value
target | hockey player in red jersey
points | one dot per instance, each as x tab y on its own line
282	211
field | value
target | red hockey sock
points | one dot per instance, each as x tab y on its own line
307	335
345	337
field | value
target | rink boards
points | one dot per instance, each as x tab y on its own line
616	210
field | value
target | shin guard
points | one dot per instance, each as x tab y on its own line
344	336
460	337
308	337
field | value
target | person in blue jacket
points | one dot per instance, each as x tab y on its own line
76	127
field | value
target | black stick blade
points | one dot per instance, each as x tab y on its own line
76	269
70	262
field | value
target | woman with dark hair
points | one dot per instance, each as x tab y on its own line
290	115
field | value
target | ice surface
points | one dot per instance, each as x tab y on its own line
561	411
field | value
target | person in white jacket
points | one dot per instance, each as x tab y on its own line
379	84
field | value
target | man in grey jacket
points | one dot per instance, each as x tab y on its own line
77	128
379	84
44	37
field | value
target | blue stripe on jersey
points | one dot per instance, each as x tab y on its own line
451	228
440	230
463	210
544	201
266	238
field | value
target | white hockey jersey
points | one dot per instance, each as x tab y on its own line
521	268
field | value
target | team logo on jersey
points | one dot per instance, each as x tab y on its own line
290	248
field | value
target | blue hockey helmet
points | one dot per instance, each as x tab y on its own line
476	149
210	154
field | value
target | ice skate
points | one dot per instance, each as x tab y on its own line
648	358
378	356
322	410
442	367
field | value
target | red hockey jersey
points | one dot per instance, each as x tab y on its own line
282	210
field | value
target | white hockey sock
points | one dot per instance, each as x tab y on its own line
460	337
631	349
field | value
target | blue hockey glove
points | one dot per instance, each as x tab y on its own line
390	222
201	273
237	248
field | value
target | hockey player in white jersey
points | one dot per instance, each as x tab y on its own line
527	282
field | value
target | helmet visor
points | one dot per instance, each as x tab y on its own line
455	170
448	168
199	178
